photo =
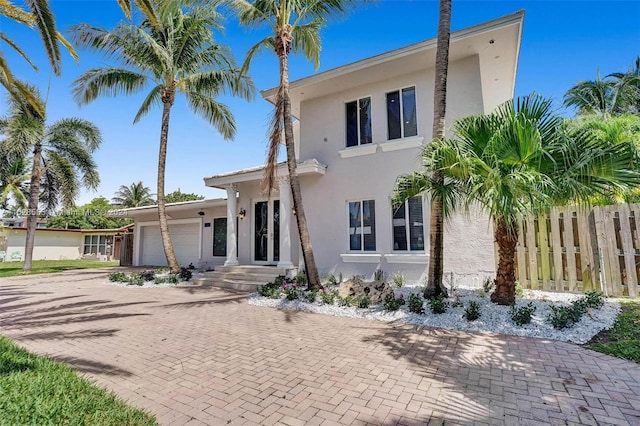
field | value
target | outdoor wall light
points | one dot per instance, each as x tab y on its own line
200	213
242	213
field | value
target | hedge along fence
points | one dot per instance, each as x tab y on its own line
578	249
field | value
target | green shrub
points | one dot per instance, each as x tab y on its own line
269	290
522	315
135	279
185	274
438	305
363	302
379	275
310	296
563	316
519	290
487	285
301	279
291	292
159	280
416	304
472	312
148	275
594	299
328	297
173	279
393	304
119	277
398	279
346	301
331	279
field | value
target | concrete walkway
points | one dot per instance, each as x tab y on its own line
204	356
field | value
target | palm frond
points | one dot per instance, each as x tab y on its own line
45	22
215	113
275	139
153	98
19	51
306	39
106	82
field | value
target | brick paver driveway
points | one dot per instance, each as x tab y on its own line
203	356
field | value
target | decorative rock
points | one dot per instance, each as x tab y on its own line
358	287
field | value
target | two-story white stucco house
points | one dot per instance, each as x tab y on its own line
359	127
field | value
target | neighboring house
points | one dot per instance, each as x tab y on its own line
359	127
63	244
21	222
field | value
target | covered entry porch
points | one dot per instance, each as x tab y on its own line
261	230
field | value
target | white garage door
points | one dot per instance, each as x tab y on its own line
185	239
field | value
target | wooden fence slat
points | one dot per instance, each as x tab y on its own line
556	245
603	255
635	208
589	270
532	249
627	249
569	245
545	265
522	257
611	248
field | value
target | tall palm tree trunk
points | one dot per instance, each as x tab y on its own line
507	240
167	101
311	270
435	285
32	210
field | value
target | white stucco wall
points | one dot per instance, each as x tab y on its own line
49	244
469	246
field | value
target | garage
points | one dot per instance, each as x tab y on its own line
186	244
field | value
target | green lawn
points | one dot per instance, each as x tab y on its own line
10	269
38	391
623	340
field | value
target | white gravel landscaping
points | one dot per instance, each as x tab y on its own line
152	284
494	318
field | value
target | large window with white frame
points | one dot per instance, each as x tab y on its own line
402	121
408	226
362	225
358	120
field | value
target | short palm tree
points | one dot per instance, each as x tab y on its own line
37	14
61	162
172	51
517	160
134	195
296	28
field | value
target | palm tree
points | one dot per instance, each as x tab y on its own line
14	181
173	51
39	15
435	285
629	86
616	94
296	27
519	159
134	195
61	162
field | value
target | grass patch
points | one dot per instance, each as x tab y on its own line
623	340
12	269
38	391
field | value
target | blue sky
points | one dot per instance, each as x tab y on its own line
563	42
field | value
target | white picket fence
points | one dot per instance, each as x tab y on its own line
578	249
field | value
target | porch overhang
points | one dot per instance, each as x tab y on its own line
195	205
306	168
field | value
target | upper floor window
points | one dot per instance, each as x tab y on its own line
408	229
362	225
401	113
359	122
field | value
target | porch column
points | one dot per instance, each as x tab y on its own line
285	223
232	232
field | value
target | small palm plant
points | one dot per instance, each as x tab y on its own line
517	160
